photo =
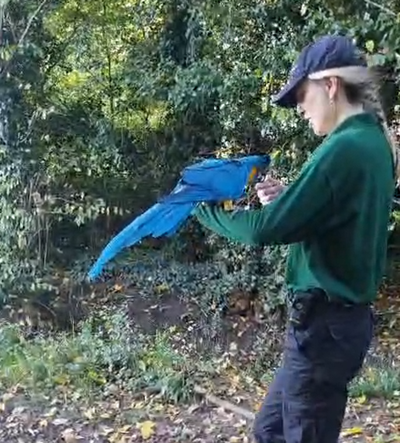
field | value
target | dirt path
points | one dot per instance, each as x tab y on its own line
123	418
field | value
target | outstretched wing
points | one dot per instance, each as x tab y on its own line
160	219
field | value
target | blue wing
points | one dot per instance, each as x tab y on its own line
185	193
211	181
216	175
223	179
160	219
195	173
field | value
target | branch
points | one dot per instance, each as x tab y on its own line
24	34
33	16
60	51
382	8
224	403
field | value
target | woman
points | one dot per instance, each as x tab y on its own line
335	217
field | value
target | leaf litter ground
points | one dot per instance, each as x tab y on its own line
120	418
238	376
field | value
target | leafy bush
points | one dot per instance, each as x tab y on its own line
102	106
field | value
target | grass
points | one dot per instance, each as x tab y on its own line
377	382
105	351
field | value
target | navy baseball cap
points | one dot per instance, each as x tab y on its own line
328	52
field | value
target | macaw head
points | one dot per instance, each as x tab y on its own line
256	163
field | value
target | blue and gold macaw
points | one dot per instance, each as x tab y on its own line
212	180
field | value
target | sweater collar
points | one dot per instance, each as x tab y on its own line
362	118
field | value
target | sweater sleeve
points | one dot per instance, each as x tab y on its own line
301	211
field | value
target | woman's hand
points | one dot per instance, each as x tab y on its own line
269	189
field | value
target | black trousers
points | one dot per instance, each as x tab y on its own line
307	400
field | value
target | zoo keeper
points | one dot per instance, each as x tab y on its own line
335	218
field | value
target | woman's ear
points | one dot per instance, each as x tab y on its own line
332	87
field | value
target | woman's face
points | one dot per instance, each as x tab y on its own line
316	102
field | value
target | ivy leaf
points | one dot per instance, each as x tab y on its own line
370	46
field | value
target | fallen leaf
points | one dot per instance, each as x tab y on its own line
89	413
43	423
60	421
361	400
117	288
69	436
193	408
352	431
106	430
146	429
125	429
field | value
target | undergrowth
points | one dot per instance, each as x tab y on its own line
105	351
377	382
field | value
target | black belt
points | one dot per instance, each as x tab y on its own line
303	304
319	296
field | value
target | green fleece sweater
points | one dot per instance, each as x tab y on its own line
335	215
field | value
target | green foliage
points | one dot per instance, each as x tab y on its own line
257	270
105	350
104	103
377	382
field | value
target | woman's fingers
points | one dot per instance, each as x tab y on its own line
268	190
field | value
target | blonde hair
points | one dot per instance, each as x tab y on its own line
361	86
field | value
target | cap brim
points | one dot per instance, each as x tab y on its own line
286	97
